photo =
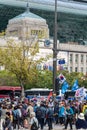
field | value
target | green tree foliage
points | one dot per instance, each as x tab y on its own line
19	58
71	77
43	79
8	79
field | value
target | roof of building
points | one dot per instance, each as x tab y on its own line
28	14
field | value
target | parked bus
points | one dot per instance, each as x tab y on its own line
69	94
11	91
37	92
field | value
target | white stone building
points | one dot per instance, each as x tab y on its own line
28	26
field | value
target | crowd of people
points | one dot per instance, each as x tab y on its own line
34	114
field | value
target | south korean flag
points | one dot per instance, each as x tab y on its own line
61	78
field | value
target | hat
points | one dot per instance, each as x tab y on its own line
32	113
81	116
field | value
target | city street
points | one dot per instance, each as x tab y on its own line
55	127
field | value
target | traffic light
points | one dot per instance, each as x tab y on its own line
57	85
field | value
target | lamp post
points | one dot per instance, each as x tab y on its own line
55	49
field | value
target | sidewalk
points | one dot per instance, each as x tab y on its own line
55	127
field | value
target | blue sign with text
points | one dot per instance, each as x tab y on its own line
61	61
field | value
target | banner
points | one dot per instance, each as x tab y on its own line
80	92
75	85
65	86
50	95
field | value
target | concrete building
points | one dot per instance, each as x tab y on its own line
28	26
74	61
72	16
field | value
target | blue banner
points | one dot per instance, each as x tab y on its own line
65	86
75	85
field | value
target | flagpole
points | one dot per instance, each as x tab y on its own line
55	50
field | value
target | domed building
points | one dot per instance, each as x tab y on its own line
27	25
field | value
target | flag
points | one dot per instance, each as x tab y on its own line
61	78
80	92
75	85
65	86
50	95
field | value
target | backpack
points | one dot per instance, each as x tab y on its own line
49	113
28	113
24	112
19	113
34	126
14	112
38	112
85	111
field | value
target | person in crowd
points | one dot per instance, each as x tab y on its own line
62	114
81	123
30	109
7	124
33	124
3	113
51	103
49	117
75	112
41	114
15	117
85	110
56	111
9	109
69	116
80	107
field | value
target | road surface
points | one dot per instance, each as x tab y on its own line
55	127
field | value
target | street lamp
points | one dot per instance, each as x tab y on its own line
55	50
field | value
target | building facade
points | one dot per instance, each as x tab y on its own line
77	62
72	16
28	25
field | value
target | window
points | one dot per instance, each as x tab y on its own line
86	58
82	69
71	58
86	69
70	69
76	58
82	58
76	69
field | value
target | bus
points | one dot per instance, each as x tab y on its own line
11	91
37	92
71	94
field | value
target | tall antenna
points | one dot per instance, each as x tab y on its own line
27	9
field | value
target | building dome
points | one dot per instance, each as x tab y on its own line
27	23
27	15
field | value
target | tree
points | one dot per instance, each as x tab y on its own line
8	79
20	59
43	79
71	77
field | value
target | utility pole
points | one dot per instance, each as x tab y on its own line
55	50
